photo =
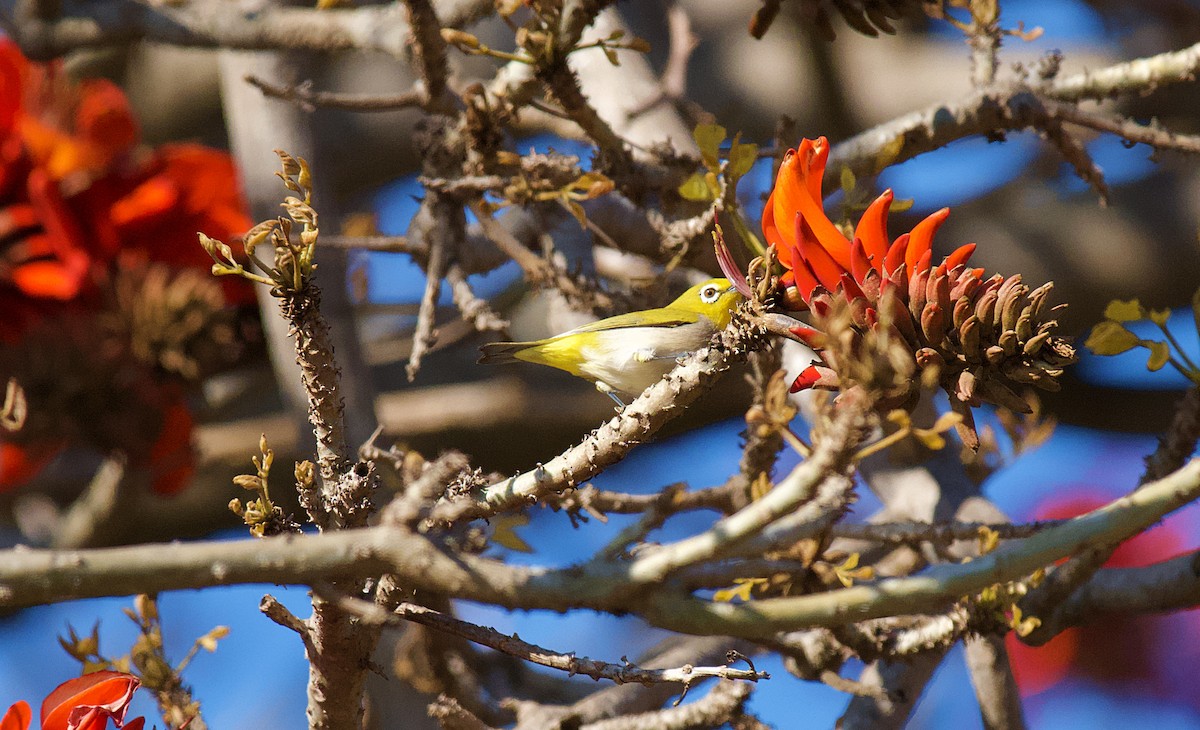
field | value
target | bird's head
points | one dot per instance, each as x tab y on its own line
715	299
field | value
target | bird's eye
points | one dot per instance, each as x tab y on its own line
709	294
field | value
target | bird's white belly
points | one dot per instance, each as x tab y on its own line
631	359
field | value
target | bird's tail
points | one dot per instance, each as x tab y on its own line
501	352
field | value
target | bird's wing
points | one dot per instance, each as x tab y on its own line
638	319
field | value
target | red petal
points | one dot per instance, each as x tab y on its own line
153	200
828	271
12	68
172	458
798	190
18	717
806	281
850	288
859	263
923	264
895	255
806	379
872	229
921	238
21	462
809	336
107	691
960	256
104	118
772	233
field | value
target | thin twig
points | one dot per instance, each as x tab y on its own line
942	532
1148	134
514	646
429	53
302	95
473	309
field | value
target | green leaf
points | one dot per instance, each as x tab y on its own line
577	210
742	590
1159	354
741	158
848	181
709	138
1121	311
1110	338
900	205
696	189
611	55
1160	316
504	532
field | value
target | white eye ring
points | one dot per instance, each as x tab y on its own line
710	294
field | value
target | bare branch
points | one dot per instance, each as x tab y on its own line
1137	76
473	309
711	711
942	532
215	24
995	687
429	52
302	95
1149	134
1175	448
514	646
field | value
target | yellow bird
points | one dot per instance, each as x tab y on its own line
630	352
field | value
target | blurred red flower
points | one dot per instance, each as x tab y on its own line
79	199
82	703
1119	650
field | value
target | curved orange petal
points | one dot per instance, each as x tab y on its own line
813	155
18	717
828	272
921	238
773	235
108	691
805	279
859	264
960	256
51	279
872	229
784	200
895	254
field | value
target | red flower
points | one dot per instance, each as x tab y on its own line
892	320
71	184
83	703
817	254
76	195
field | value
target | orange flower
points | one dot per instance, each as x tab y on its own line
83	703
817	254
73	195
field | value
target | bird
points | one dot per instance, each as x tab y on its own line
625	354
